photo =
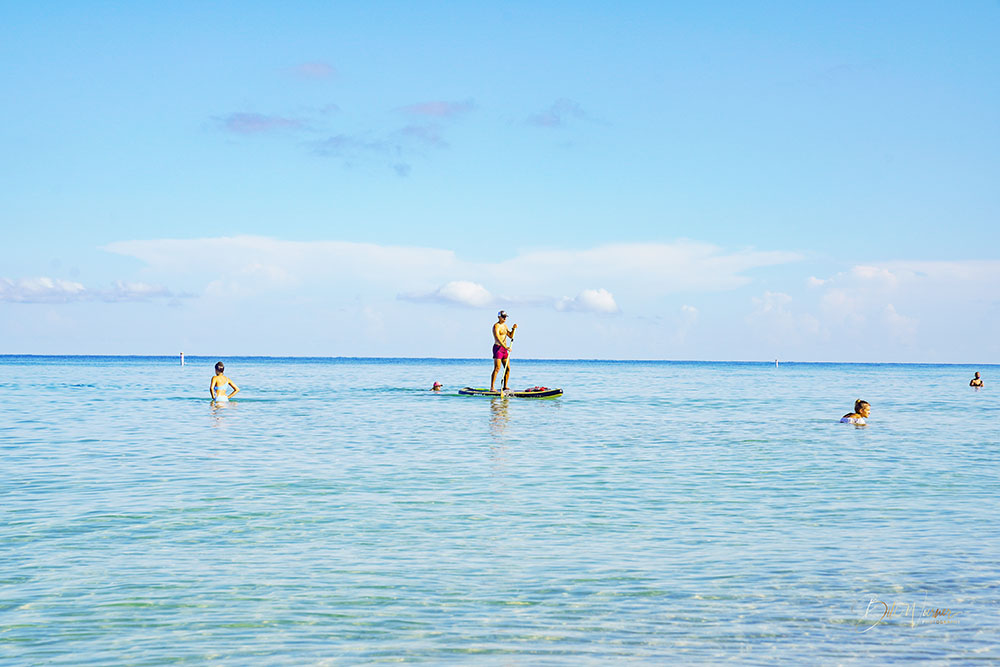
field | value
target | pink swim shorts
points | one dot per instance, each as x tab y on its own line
500	352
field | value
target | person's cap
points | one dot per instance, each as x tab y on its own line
502	313
438	384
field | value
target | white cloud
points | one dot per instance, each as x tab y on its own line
928	274
278	261
126	291
772	302
54	290
40	290
663	267
875	274
899	310
843	307
247	264
296	297
474	295
881	294
460	292
590	301
775	319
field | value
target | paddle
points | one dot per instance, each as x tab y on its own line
506	362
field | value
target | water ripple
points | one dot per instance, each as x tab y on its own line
340	513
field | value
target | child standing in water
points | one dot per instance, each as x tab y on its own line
861	411
217	387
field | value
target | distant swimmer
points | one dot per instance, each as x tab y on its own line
437	386
976	382
217	387
861	411
502	338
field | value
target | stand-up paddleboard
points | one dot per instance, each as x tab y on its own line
534	392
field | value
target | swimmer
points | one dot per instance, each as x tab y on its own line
437	386
217	386
976	382
861	411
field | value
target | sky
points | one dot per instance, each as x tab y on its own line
640	180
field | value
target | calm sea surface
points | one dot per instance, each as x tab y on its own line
338	512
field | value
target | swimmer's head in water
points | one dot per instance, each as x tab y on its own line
862	407
219	367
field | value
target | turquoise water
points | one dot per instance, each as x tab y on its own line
337	512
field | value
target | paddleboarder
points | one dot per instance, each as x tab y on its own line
502	338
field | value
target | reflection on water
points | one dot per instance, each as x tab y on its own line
499	418
499	415
219	408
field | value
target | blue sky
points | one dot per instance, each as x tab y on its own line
804	181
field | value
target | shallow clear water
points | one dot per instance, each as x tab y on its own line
337	511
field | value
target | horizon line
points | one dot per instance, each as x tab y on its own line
532	359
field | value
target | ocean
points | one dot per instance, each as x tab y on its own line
339	512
